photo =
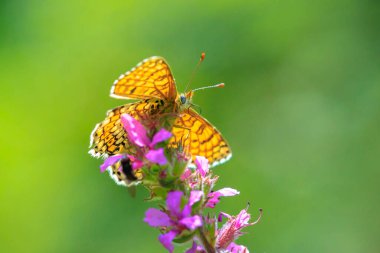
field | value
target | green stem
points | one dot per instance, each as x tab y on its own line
206	244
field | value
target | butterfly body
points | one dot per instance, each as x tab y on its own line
151	81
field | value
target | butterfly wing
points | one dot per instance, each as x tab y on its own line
109	137
151	78
197	136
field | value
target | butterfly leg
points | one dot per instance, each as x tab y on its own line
198	107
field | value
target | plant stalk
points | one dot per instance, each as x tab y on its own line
206	244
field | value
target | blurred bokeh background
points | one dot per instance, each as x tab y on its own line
301	110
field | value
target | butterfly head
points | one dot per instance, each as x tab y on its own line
185	99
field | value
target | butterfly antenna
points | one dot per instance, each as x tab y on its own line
203	55
219	85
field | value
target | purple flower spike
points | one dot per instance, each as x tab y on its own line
160	136
110	161
136	131
167	240
157	156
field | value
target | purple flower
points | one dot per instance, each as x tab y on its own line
213	197
235	248
202	165
157	218
175	219
110	161
203	171
201	177
231	230
136	164
195	248
186	174
137	134
166	240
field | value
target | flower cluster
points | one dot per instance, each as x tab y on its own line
186	188
175	220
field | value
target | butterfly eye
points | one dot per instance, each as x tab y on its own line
183	99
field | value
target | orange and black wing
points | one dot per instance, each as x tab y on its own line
109	137
199	138
151	78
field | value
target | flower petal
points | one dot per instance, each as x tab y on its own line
231	230
160	136
226	235
200	249
213	197
192	222
173	202
193	248
186	174
137	165
186	211
135	130
156	218
157	156
227	192
195	196
221	215
202	165
166	240
242	219
110	161
235	248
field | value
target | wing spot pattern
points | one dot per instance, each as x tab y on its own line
200	137
109	136
151	78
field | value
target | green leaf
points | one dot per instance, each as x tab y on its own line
184	237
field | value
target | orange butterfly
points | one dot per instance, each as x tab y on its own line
152	82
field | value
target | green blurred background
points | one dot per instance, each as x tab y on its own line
301	110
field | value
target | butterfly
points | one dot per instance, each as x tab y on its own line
152	83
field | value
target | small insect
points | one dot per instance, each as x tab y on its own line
123	173
152	83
